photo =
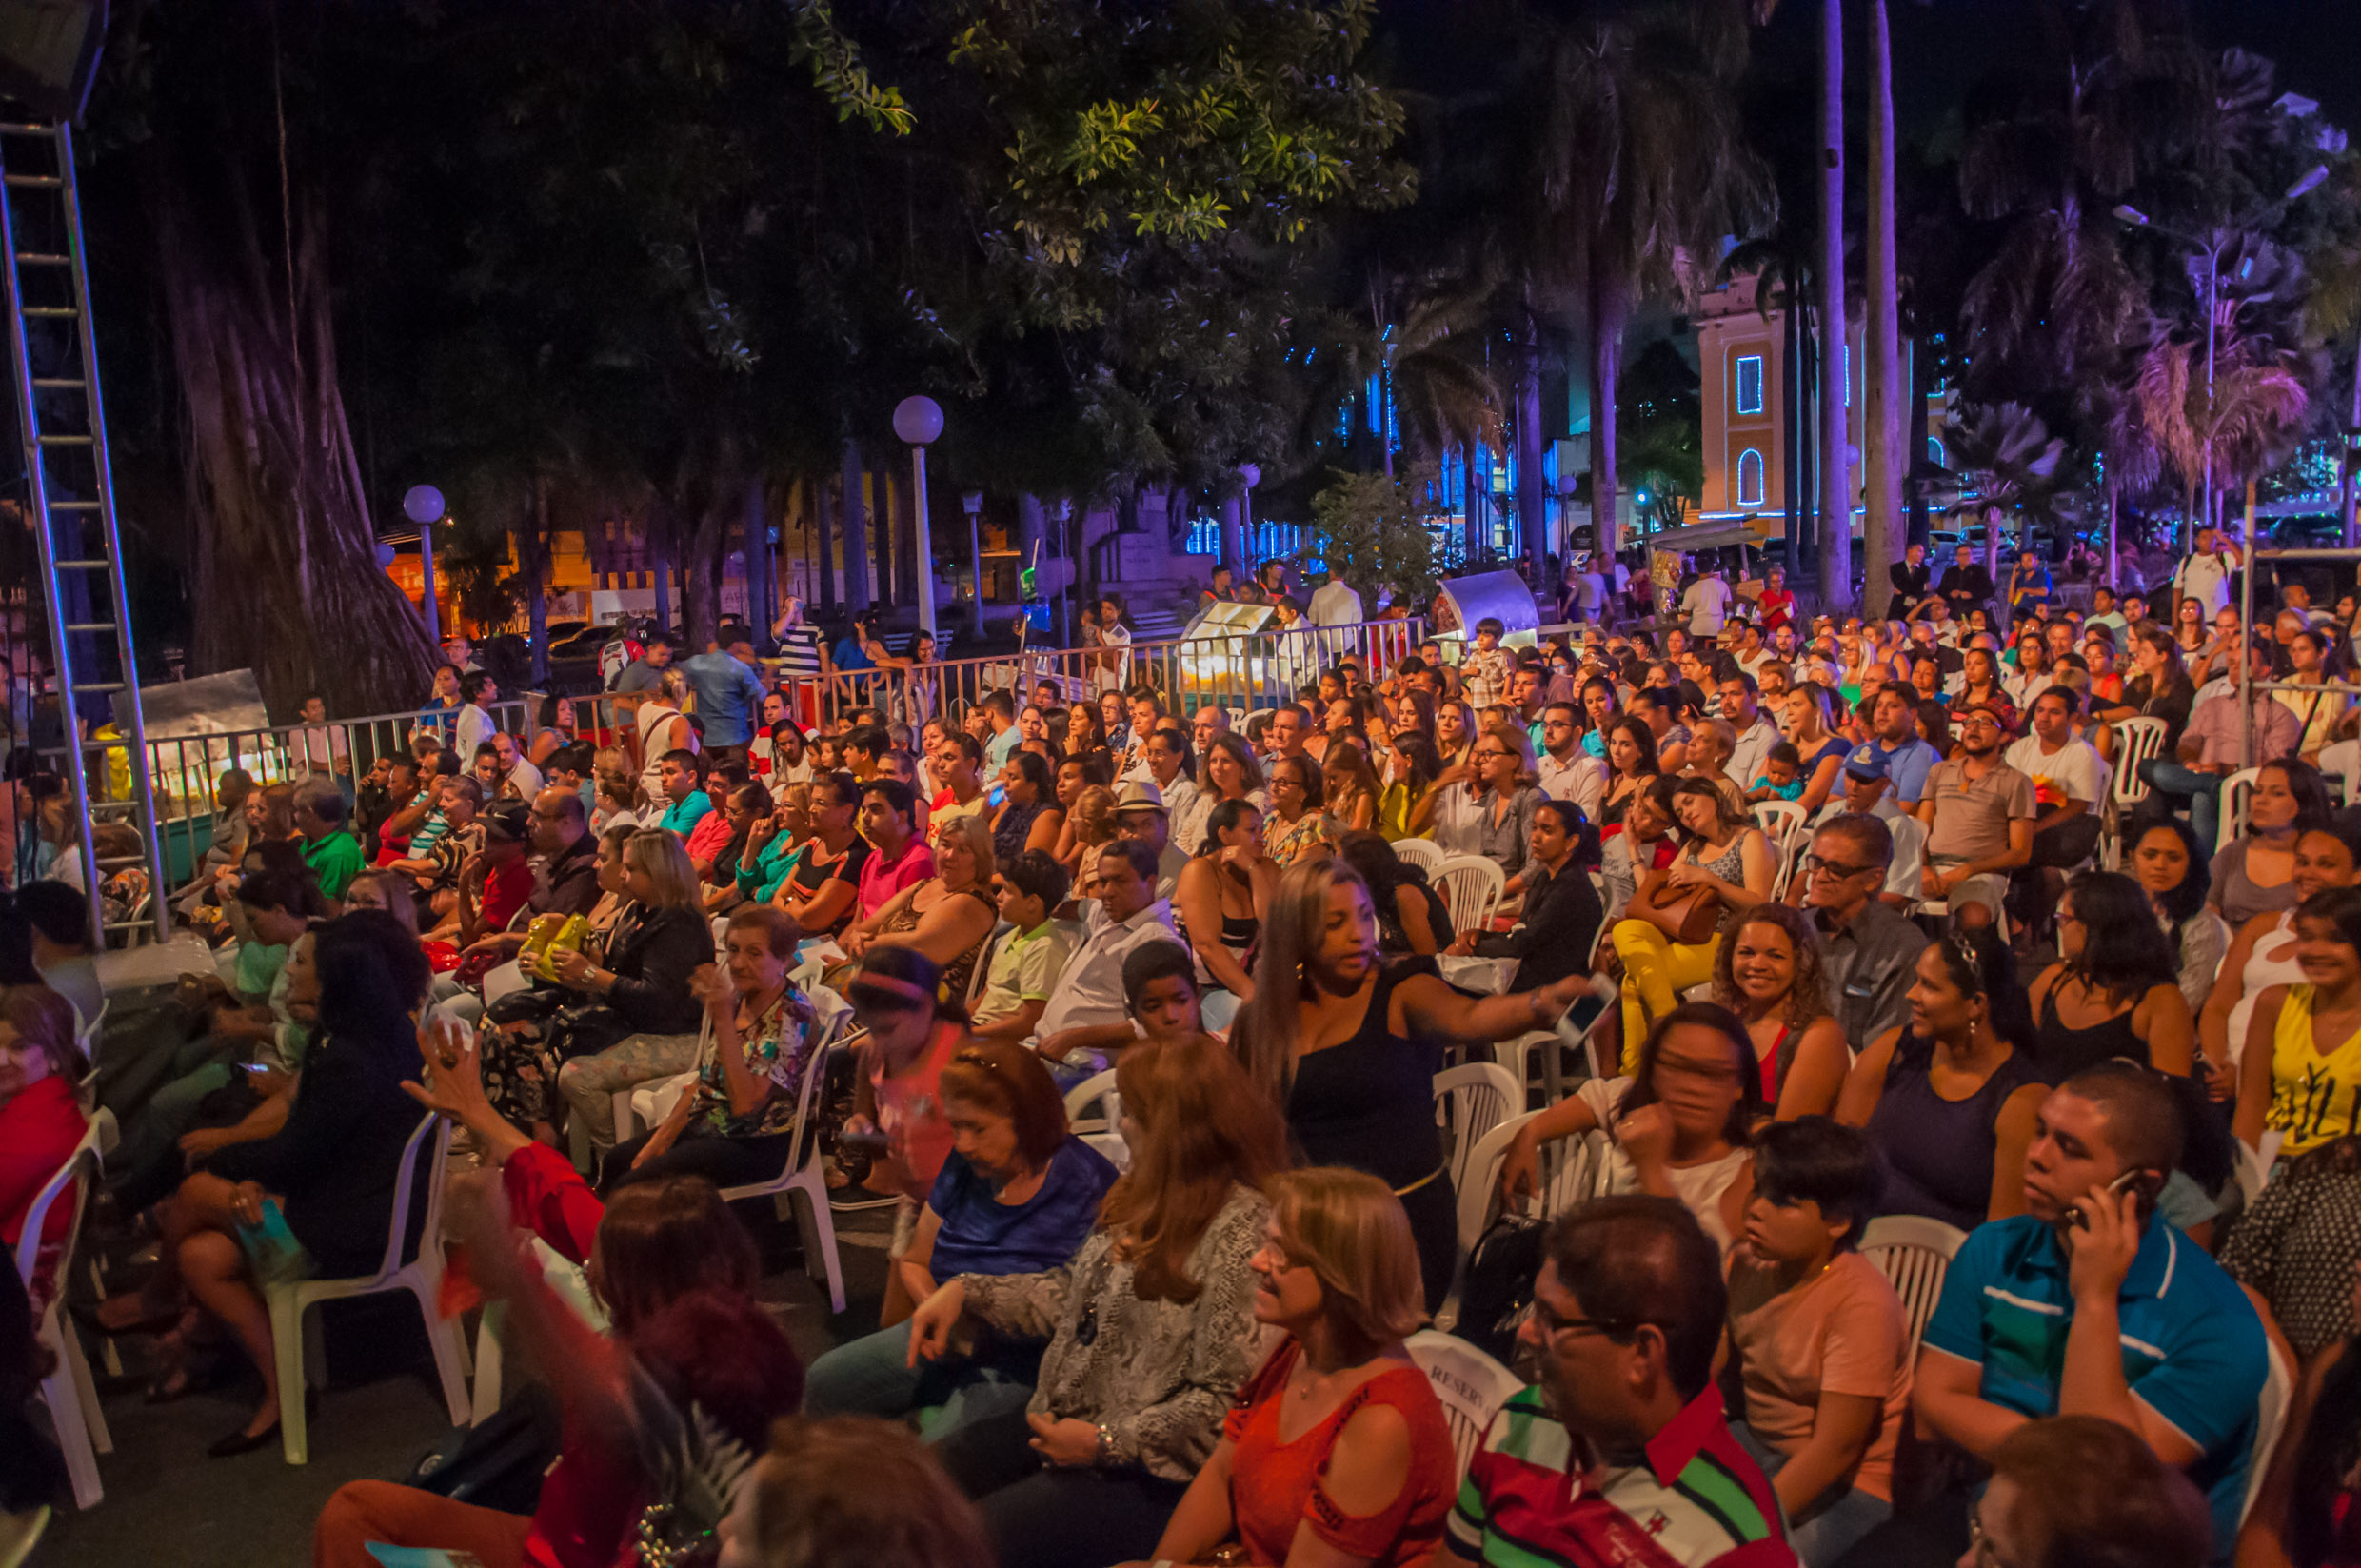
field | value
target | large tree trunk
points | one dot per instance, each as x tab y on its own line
1836	472
823	510
1531	503
1608	301
856	520
762	579
1883	451
533	549
284	576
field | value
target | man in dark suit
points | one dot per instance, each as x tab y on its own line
1911	578
1967	585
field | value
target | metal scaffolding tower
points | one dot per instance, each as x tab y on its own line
70	505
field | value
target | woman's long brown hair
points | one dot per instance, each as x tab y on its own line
1205	1129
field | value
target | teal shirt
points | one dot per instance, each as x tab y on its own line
258	968
761	880
682	817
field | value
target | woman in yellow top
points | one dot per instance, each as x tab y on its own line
1406	804
2301	1073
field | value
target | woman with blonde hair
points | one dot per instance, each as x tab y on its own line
1771	971
1150	1325
1348	1046
619	799
631	980
1369	1471
1089	827
949	916
1723	858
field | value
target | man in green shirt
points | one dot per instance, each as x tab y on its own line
329	847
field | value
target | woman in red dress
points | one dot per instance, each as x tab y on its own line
1317	1441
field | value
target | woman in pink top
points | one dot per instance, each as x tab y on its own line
898	1117
1819	1336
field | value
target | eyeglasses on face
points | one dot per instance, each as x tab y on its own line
1815	866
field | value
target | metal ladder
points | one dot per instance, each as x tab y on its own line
69	504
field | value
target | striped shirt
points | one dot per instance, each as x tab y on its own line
1692	1499
799	652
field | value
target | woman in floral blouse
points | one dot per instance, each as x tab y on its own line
1151	1328
738	1124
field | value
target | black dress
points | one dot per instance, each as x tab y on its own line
336	1160
1940	1152
1369	1103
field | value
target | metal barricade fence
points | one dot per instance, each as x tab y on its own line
186	770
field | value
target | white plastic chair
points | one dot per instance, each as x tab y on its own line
302	1359
503	979
1093	1105
1913	1253
1423	853
1469	1102
800	1190
1472	886
1782	822
571	1284
1111	1147
2136	740
68	1390
1470	1385
2270	1426
2237	794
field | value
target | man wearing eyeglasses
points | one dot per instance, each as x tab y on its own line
1619	1455
1978	813
1872	951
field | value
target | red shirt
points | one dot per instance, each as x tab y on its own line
505	890
40	1128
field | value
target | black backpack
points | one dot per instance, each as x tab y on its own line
498	1462
1495	1296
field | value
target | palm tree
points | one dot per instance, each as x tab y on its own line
1836	472
2247	420
2007	461
1641	169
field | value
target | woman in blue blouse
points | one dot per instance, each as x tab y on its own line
1018	1194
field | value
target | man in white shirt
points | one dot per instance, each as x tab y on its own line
1336	605
1086	1020
1186	807
1567	771
516	767
2070	786
1706	604
2205	576
1741	709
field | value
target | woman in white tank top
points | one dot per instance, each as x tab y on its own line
2267	946
656	713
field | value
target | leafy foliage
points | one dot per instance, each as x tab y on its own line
1378	532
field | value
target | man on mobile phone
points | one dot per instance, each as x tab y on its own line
2090	1303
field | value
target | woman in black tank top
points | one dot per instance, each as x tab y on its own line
2116	992
1348	1047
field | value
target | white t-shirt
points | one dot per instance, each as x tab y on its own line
2074	767
1706	604
2206	578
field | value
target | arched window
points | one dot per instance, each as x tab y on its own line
1750	478
1934	451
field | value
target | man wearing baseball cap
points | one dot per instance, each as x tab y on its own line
496	882
1868	780
1978	813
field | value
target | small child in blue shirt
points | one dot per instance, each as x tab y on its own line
1783	780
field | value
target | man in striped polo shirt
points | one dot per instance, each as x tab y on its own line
1620	1455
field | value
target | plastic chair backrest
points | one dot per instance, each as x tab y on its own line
1482	1169
1571	1169
1472	886
1913	1253
1781	822
2237	793
2136	740
1418	852
76	1173
1469	1102
825	1028
1085	1109
430	1227
1470	1385
2271	1414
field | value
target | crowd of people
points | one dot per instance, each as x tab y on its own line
1786	879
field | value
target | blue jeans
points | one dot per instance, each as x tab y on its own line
869	1377
1834	1524
2202	790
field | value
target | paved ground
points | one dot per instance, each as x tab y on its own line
168	1504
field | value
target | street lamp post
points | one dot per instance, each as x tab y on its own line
423	506
973	502
918	420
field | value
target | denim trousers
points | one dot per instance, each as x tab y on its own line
2202	790
871	1376
1831	1527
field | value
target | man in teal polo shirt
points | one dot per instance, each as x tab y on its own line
685	801
2090	1305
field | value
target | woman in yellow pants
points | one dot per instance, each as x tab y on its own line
1724	852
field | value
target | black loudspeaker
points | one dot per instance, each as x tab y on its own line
48	53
